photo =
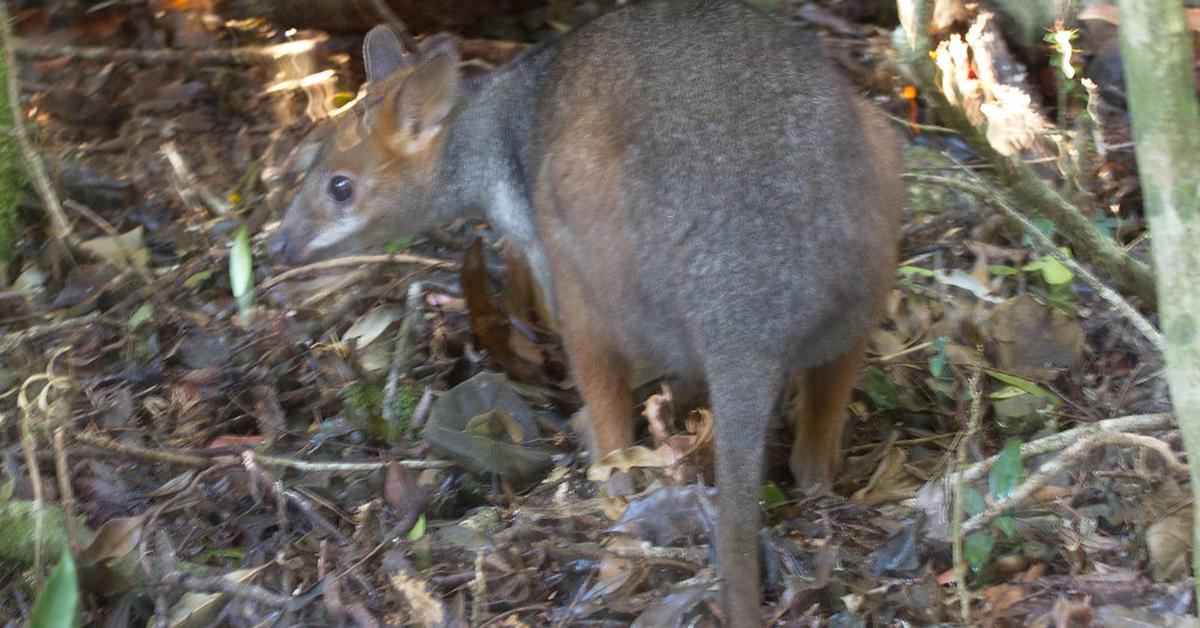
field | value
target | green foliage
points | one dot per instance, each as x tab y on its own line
909	271
880	389
241	272
772	495
363	402
1007	471
57	605
937	361
1005	474
19	528
977	548
395	246
1025	385
1052	271
11	175
418	529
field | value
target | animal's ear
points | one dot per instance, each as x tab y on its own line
439	44
384	52
426	99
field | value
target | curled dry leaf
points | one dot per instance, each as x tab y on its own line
625	459
116	538
196	610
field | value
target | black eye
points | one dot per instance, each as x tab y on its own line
341	188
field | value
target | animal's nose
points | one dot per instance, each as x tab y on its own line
277	245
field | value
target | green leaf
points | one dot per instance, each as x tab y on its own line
973	501
7	489
241	271
880	389
1001	270
937	362
395	246
57	605
1007	471
141	315
909	271
1007	525
418	529
977	547
772	494
197	278
1052	270
1025	385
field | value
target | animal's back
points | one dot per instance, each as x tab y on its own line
711	182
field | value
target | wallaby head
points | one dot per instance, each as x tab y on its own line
374	177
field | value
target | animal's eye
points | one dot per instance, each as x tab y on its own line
341	188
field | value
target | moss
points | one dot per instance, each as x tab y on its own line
363	404
11	178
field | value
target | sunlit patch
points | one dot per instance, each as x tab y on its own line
296	70
969	81
1062	44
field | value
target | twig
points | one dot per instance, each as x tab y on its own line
478	591
960	487
1055	442
933	128
303	465
356	260
66	496
495	51
400	353
144	453
243	590
189	188
40	405
58	218
242	55
11	341
997	199
302	504
883	359
1070	456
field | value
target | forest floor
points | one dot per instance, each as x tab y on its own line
387	439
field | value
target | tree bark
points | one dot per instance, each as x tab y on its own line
1156	47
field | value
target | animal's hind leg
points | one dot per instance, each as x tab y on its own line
601	374
817	414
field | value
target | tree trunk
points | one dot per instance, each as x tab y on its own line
1156	47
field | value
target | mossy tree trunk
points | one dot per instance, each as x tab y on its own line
1156	49
10	175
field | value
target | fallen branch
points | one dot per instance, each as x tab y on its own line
358	260
143	453
1070	456
303	465
11	341
1055	442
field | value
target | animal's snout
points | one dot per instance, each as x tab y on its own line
279	246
